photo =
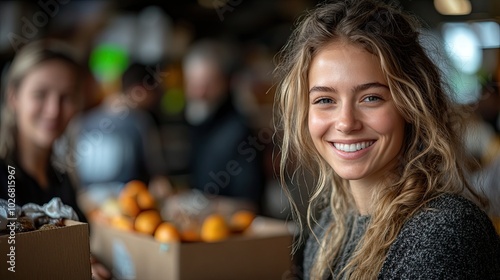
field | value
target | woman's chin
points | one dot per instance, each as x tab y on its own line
46	142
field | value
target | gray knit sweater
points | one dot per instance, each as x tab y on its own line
450	239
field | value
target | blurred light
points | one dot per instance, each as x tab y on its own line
108	62
488	33
453	7
463	47
153	32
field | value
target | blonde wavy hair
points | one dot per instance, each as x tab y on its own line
433	160
29	57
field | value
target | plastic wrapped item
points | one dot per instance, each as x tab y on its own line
50	213
54	209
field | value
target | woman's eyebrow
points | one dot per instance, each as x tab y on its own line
322	89
356	88
366	86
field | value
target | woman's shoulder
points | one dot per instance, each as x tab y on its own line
449	237
449	210
451	216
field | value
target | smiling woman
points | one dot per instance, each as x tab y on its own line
364	109
353	121
42	96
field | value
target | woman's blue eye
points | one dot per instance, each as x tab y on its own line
323	101
372	98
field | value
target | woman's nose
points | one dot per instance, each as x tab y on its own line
52	107
347	120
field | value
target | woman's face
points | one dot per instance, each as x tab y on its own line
45	101
352	118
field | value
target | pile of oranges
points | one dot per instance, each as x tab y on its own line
216	228
138	212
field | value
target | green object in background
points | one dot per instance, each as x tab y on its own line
108	62
172	102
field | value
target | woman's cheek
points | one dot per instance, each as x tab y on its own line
318	125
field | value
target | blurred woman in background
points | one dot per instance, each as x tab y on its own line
43	94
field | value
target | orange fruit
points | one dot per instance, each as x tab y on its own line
128	205
147	221
190	235
167	232
190	230
133	188
241	220
145	200
214	228
122	223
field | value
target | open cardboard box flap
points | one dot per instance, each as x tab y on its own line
261	253
62	253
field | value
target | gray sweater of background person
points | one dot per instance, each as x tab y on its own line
450	239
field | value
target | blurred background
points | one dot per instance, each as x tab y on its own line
462	35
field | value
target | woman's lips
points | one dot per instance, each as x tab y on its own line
353	147
352	150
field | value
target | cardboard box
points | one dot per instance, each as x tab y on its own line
264	252
62	253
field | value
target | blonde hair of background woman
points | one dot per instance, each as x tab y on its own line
433	160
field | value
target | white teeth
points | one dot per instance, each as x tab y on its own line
353	147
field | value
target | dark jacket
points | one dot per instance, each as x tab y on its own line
27	190
226	157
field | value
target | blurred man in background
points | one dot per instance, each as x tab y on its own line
226	157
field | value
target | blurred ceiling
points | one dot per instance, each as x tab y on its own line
241	15
239	19
265	21
270	20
